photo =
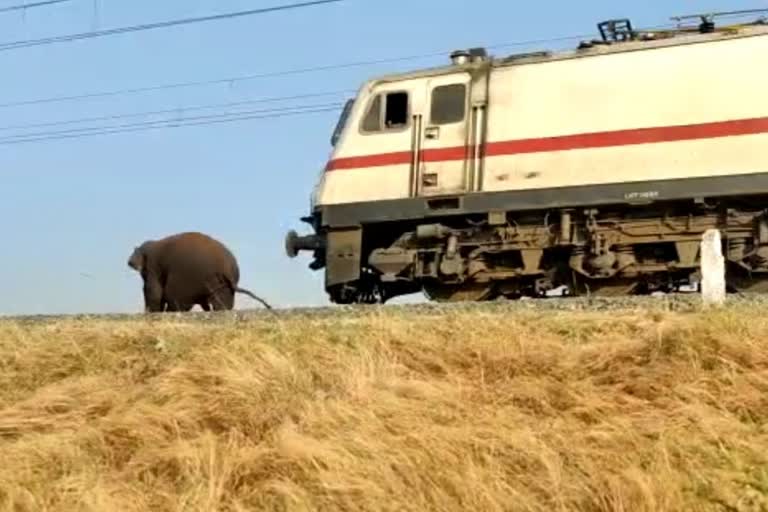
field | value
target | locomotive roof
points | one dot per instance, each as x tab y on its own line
648	40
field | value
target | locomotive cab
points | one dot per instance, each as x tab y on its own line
408	135
405	136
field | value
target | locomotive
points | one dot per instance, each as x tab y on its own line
592	170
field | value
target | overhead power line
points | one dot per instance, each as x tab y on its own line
286	72
24	7
14	45
271	74
178	110
177	119
166	124
216	118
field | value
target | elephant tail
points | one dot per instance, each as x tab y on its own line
237	289
253	296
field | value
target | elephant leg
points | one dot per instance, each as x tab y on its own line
223	300
205	304
179	307
181	297
153	295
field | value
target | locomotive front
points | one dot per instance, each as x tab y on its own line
315	242
533	173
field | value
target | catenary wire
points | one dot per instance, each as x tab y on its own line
177	120
207	119
269	74
168	125
231	104
24	7
177	110
13	45
287	72
165	125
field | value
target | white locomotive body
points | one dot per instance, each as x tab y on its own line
596	169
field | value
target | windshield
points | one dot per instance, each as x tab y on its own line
342	122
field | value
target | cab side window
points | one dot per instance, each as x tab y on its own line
396	113
387	111
372	121
448	104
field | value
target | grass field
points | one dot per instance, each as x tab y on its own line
388	410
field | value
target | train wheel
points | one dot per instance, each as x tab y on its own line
467	292
366	290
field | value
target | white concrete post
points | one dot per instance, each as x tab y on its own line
712	269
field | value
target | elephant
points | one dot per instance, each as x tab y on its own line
188	269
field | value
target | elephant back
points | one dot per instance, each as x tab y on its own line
197	254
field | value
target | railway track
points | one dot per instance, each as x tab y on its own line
680	303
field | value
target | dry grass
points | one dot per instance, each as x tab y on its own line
391	411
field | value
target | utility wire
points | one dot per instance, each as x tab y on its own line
270	74
177	110
14	45
288	72
168	124
31	5
218	118
176	120
154	126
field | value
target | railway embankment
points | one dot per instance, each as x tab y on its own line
626	404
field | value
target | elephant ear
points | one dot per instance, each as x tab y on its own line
139	257
144	255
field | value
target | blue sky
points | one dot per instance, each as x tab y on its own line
72	210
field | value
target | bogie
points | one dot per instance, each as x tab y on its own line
588	252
